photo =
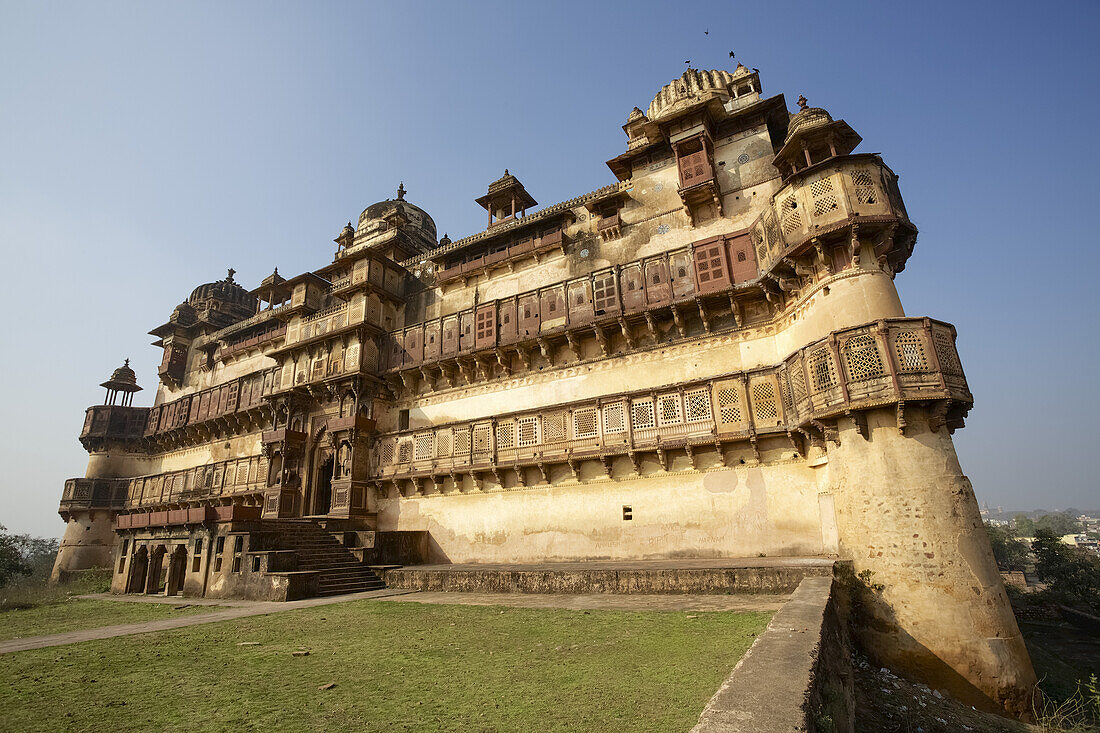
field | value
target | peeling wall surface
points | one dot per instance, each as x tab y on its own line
706	358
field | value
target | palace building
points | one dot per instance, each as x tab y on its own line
706	358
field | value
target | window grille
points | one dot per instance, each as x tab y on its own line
763	401
553	427
424	445
481	438
642	415
354	314
443	444
866	192
824	196
462	441
242	473
909	347
861	354
386	451
485	327
785	391
729	404
789	216
614	418
351	358
668	409
404	451
798	381
604	292
505	435
527	433
945	351
697	405
584	423
821	369
374	308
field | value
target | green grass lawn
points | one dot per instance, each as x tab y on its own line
396	666
74	614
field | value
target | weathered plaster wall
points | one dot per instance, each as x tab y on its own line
87	543
907	513
736	512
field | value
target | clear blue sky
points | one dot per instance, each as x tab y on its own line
146	147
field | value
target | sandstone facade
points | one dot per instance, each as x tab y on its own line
705	358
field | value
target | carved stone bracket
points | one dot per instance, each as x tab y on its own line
521	476
662	456
627	334
691	456
427	381
504	361
860	420
636	463
900	417
606	462
652	324
679	321
703	314
544	347
938	418
573	468
829	432
544	471
601	339
574	346
524	357
853	245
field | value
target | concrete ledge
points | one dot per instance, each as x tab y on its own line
772	688
781	575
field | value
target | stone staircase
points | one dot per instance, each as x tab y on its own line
339	571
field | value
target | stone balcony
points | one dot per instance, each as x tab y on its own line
885	363
109	423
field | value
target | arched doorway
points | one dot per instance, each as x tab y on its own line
139	566
154	582
322	501
177	569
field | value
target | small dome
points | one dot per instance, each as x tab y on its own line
226	291
692	86
184	314
124	374
635	115
807	118
123	379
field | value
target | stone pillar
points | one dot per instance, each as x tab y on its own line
906	512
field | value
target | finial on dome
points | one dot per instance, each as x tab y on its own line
126	363
400	192
229	276
275	271
802	102
505	171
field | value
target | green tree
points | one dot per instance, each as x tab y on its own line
12	561
1072	575
1058	523
1023	526
1011	553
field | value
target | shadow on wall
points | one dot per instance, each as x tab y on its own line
877	632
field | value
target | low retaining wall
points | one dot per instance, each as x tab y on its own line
589	578
797	675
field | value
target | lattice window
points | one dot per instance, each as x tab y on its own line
374	309
404	451
824	196
822	371
729	404
486	324
527	432
763	402
386	452
945	351
866	191
790	217
242	473
785	391
697	405
614	418
481	438
862	357
425	443
798	381
462	441
351	358
669	409
584	423
909	347
604	293
642	415
553	427
443	444
506	438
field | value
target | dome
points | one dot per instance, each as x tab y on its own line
227	291
184	314
692	86
413	215
123	379
807	118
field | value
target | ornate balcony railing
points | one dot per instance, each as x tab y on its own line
113	423
887	362
93	493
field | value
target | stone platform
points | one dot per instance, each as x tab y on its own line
778	575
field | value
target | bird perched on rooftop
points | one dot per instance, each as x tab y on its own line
731	54
688	62
706	33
